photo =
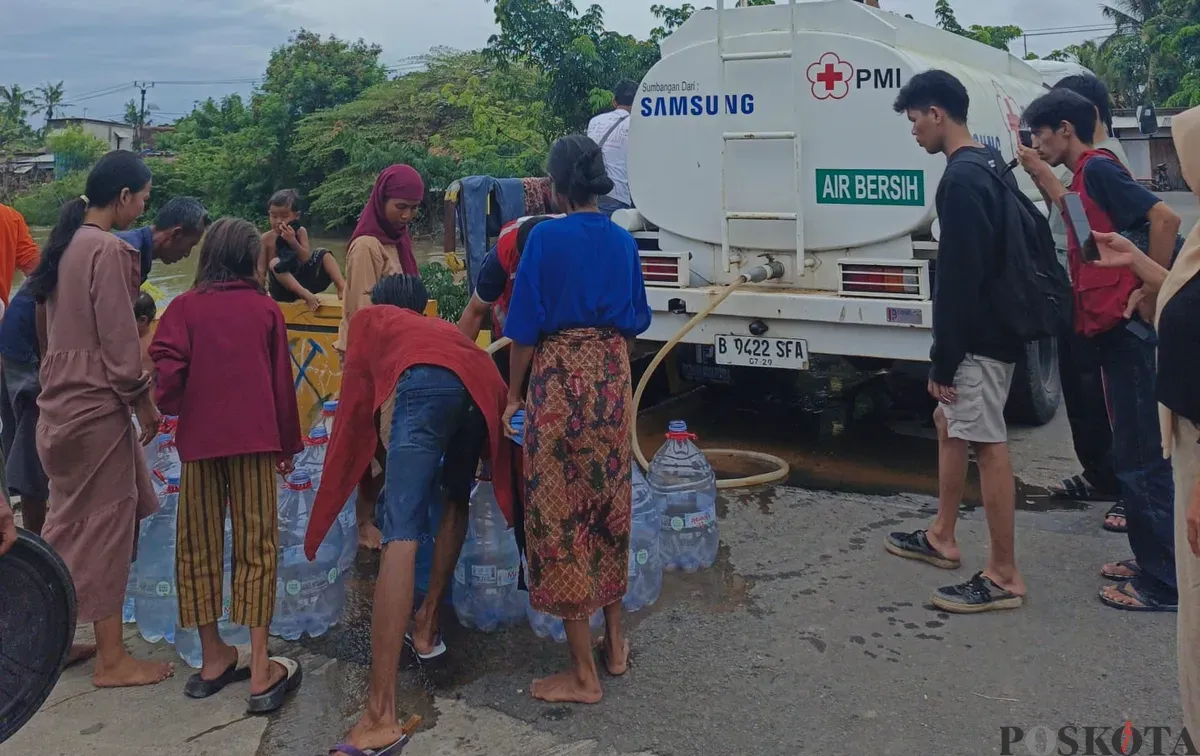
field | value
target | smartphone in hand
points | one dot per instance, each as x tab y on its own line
1076	217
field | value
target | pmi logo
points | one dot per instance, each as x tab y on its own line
833	78
1122	740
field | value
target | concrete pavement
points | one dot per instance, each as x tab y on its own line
806	637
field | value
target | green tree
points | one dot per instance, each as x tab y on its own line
577	57
310	74
673	18
74	149
999	37
133	113
49	97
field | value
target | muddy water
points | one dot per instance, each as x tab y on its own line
177	278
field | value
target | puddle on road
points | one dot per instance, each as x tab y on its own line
861	442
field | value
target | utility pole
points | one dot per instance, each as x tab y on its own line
141	124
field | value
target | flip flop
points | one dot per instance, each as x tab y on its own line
271	699
1147	605
1077	488
239	671
1116	510
1128	564
408	728
439	649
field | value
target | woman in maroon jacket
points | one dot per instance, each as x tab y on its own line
224	368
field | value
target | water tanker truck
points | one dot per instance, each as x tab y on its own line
766	135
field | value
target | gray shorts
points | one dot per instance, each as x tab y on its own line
977	414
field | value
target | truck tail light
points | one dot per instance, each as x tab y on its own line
665	268
907	280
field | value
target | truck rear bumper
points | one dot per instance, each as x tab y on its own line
896	329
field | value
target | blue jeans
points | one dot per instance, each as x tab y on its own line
608	205
1147	487
434	418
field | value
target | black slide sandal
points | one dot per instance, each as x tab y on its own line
197	687
273	698
1116	510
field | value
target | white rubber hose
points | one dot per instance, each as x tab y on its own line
781	466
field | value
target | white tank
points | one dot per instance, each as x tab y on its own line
864	181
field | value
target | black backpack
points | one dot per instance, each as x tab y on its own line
1031	294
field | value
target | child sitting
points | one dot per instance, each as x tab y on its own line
144	310
297	272
224	368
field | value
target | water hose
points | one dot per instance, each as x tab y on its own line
781	467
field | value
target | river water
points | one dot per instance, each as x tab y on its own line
176	279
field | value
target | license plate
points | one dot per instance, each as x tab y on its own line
756	351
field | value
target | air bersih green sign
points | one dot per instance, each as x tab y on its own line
868	187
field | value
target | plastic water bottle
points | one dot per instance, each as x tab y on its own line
312	459
309	595
486	596
328	411
155	603
686	489
547	626
187	642
645	557
166	459
128	610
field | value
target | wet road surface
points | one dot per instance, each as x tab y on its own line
805	637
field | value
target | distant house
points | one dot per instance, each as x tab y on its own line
1146	153
118	136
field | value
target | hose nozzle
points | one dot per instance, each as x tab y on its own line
764	272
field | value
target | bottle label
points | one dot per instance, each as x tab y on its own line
460	574
292	587
643	556
333	575
483	573
162	589
705	518
507	577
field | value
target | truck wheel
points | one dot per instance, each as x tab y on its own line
1036	388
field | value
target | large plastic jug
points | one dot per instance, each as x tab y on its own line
301	603
645	557
486	596
348	521
312	459
328	411
549	627
155	602
166	464
685	487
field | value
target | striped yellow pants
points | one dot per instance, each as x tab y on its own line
246	483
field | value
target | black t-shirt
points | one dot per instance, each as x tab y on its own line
1179	352
492	280
970	208
1125	201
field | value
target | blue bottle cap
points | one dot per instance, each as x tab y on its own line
330	406
299	477
677	426
319	432
173	481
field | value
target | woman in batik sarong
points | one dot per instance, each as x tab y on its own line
577	304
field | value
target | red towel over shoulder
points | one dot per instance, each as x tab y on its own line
383	342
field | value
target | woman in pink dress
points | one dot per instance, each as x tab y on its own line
92	381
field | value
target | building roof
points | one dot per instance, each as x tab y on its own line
101	121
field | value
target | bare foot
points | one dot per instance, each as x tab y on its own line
277	672
617	663
373	734
565	687
369	536
80	652
131	673
219	665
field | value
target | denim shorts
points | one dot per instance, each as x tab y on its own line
434	418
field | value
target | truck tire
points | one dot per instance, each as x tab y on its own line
1036	389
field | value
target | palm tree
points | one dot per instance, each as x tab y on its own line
1130	14
13	101
49	98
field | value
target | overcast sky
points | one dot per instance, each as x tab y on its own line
95	48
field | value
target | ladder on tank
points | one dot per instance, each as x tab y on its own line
792	56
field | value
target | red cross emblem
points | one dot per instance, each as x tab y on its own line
830	77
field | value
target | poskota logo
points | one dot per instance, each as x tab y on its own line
1121	740
830	77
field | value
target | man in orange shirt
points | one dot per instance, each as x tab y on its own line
17	249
